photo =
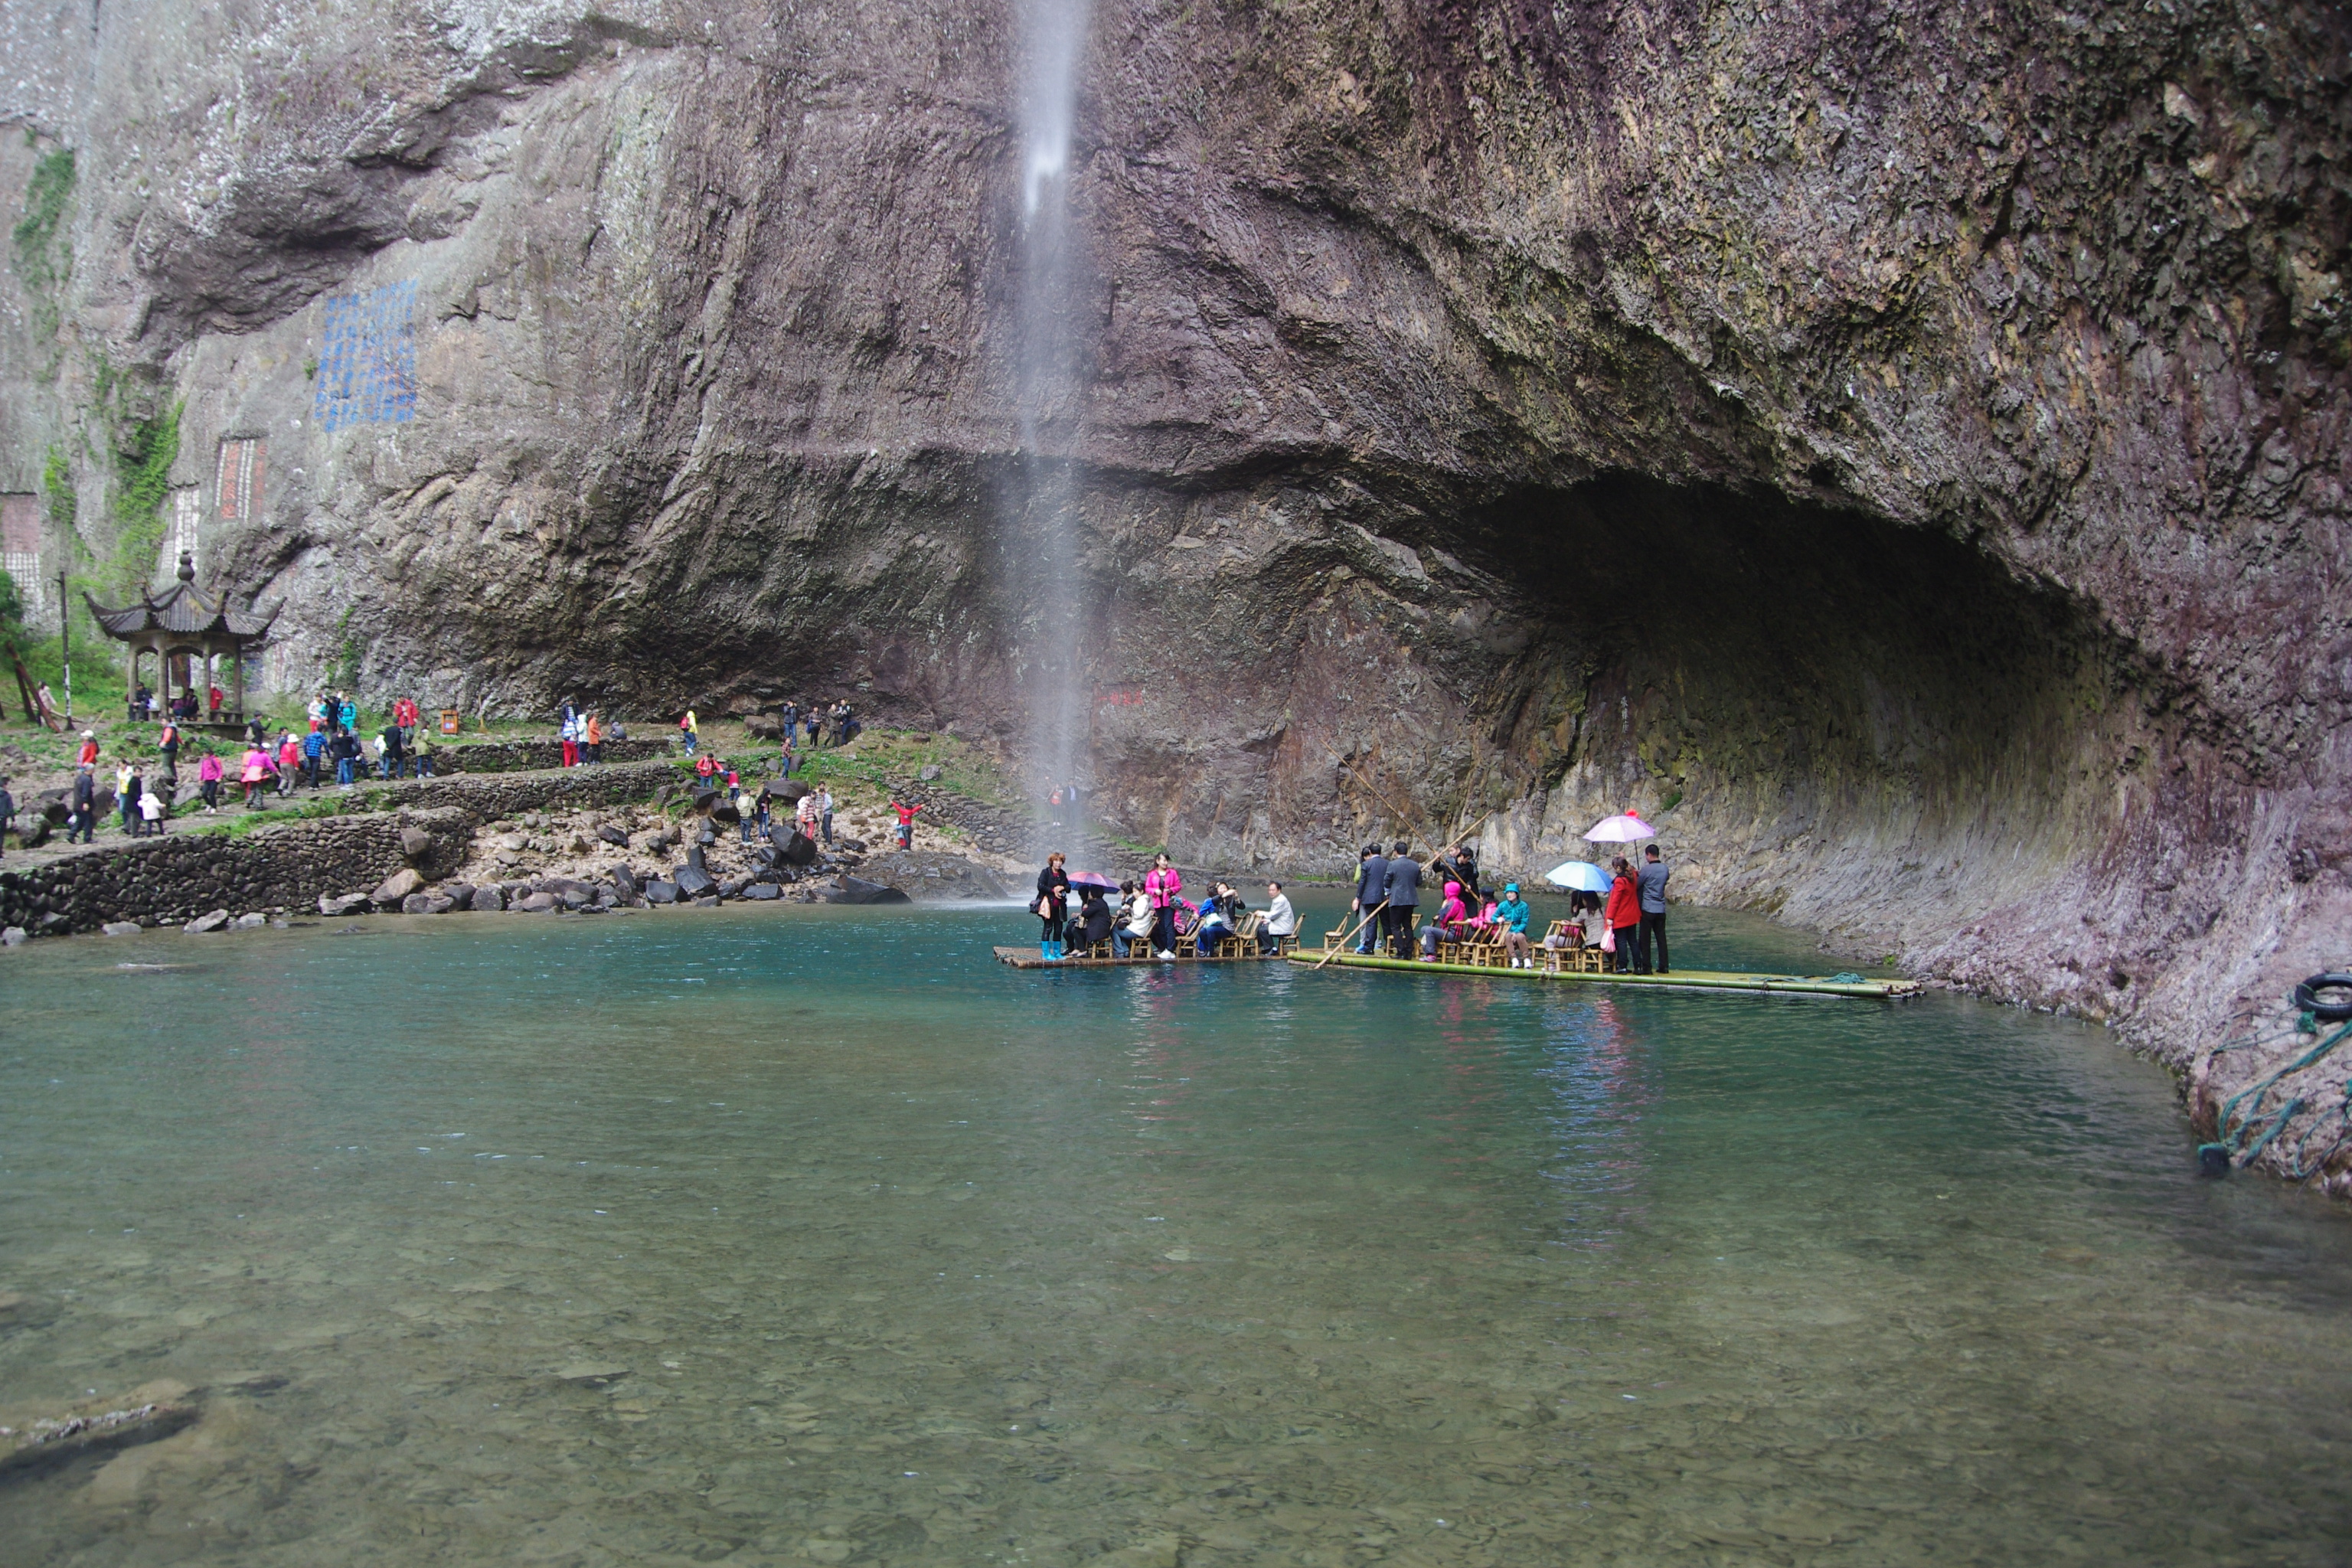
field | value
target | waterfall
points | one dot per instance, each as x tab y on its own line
1043	524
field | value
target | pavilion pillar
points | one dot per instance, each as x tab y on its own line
237	659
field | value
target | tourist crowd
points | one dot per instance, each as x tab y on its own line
1151	916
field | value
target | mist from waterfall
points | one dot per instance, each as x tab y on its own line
1042	520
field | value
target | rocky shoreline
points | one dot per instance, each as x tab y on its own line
576	839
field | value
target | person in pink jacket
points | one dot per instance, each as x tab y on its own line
208	779
253	773
1161	885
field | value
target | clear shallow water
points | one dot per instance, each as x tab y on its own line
886	1253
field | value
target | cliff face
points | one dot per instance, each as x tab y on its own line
1902	450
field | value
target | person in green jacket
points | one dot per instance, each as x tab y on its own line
1511	914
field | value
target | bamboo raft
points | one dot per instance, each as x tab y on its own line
1026	958
1680	980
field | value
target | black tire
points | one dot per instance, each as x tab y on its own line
2306	998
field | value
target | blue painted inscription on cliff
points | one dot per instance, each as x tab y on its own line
367	372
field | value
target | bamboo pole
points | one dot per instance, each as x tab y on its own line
1359	926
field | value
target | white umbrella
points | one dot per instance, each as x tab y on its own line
1579	876
1627	828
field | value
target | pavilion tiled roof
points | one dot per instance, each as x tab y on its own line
182	610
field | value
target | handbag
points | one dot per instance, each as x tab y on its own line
1609	939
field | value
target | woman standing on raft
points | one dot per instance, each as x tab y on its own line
1625	916
1053	905
1161	885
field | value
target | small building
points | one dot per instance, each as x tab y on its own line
188	631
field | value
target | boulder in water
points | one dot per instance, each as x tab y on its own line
659	892
213	922
336	906
858	890
124	928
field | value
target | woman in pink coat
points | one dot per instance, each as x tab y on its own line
254	770
1161	885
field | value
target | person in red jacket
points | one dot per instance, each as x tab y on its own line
906	822
1624	915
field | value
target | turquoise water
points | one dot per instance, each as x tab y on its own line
779	1237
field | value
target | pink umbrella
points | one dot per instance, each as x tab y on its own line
1092	880
1626	828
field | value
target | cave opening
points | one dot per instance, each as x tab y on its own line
1780	679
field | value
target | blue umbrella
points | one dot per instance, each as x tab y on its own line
1578	877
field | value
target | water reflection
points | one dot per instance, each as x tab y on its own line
773	1239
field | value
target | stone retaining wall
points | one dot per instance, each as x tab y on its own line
179	877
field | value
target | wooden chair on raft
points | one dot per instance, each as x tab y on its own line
1574	957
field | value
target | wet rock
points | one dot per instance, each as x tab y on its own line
414	904
536	903
659	892
459	894
693	881
762	891
47	1443
132	928
858	890
624	881
930	876
334	906
252	920
487	900
15	936
709	901
216	921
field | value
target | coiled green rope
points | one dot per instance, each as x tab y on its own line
2243	1146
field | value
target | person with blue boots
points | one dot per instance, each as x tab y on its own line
1053	905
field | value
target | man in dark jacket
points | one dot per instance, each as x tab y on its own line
1371	893
1650	882
7	810
84	804
1403	877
